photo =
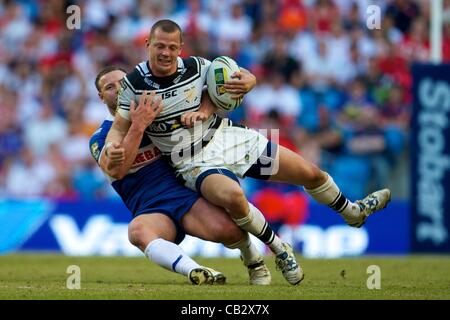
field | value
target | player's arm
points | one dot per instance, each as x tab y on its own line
97	143
113	155
122	120
243	81
108	158
206	110
141	117
120	156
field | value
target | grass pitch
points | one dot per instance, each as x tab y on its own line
44	277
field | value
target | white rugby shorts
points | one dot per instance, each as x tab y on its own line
233	150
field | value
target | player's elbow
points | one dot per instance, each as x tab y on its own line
116	173
119	175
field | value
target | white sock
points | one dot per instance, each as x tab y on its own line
249	253
170	256
256	224
329	194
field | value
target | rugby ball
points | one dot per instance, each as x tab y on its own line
221	70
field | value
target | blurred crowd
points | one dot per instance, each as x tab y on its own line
337	87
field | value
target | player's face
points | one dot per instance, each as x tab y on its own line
164	49
109	88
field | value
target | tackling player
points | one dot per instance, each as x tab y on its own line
210	156
163	210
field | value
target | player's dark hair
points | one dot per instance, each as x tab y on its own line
105	71
168	26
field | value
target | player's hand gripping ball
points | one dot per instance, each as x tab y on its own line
221	70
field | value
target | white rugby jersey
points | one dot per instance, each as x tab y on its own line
180	93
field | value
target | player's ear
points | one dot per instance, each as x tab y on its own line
181	47
147	42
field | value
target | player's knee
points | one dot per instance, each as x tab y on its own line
138	236
313	176
226	232
236	201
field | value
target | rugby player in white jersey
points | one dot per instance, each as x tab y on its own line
211	155
163	210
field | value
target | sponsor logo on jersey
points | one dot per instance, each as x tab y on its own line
174	124
177	79
191	95
151	83
164	126
202	61
146	156
95	150
169	94
158	127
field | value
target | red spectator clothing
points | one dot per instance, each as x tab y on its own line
446	49
323	16
398	68
414	50
56	60
292	15
280	206
54	26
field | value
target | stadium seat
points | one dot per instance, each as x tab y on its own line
352	174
